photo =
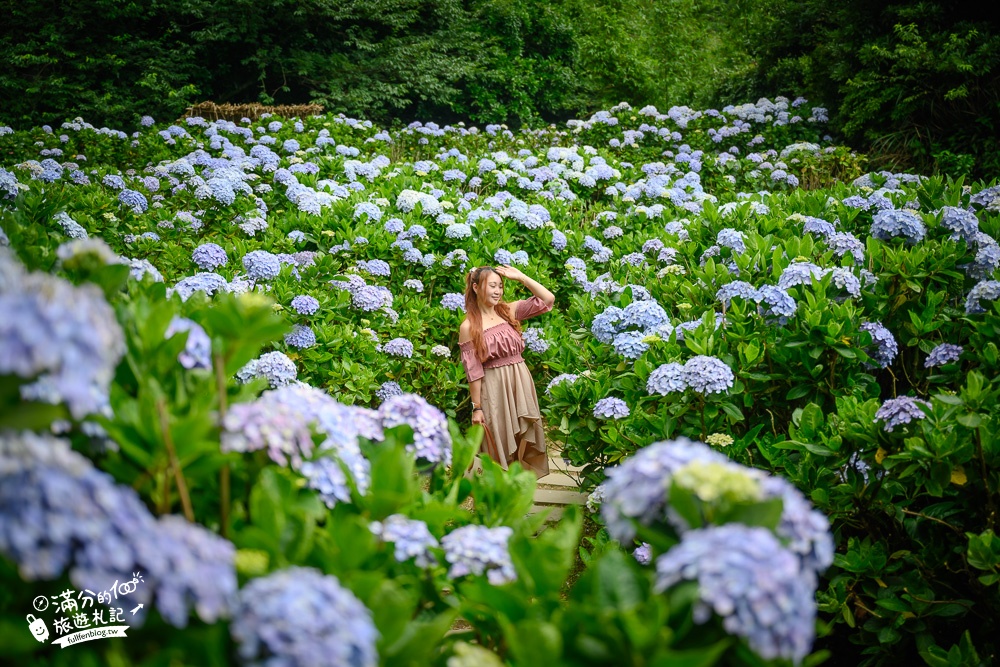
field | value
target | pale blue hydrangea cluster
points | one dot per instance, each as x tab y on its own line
134	200
399	347
388	389
900	411
984	289
209	256
707	375
304	304
732	239
778	302
63	338
206	282
276	367
666	379
569	378
643	554
534	340
376	267
962	223
751	582
301	337
883	340
197	352
611	407
411	538
414	284
737	288
475	550
70	227
892	223
453	301
431	438
440	351
261	265
945	353
58	512
300	617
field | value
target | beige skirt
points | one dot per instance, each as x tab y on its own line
510	406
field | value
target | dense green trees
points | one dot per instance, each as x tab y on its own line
917	84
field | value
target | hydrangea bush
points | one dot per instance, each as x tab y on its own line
261	347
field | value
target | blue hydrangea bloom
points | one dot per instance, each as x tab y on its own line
751	582
453	301
209	283
209	256
630	344
376	267
197	352
399	347
558	240
945	353
611	407
707	375
739	288
301	337
411	539
604	326
666	379
431	438
778	301
276	367
477	550
65	338
300	617
134	200
732	239
261	265
962	223
388	389
885	343
891	223
900	411
304	304
984	289
534	341
560	379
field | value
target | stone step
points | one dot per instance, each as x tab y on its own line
559	479
555	513
545	496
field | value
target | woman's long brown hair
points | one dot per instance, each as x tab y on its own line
474	315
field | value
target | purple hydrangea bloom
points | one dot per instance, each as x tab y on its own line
301	337
963	224
209	283
209	256
984	289
987	259
477	550
899	411
799	273
453	301
666	379
891	223
134	200
707	375
817	226
610	407
275	366
558	240
399	347
885	343
778	301
261	265
304	304
411	538
732	239
751	582
560	379
533	340
643	554
605	325
57	511
114	181
300	617
945	353
197	352
65	338
376	267
630	344
431	438
388	390
739	288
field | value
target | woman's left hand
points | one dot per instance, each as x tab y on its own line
510	273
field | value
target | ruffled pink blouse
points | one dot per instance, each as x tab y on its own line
503	344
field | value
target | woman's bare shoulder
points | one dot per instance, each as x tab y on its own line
465	332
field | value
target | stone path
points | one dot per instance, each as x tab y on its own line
559	488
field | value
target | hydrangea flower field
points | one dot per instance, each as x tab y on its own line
229	361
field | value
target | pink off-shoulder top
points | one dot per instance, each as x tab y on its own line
503	344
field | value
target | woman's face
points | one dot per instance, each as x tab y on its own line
491	289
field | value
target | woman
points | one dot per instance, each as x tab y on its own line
503	393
